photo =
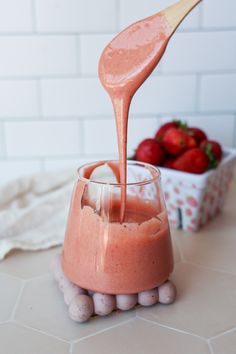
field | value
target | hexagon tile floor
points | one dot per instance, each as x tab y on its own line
33	317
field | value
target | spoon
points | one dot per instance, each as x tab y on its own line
128	60
133	54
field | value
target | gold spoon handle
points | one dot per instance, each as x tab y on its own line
177	12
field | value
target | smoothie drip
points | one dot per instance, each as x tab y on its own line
124	65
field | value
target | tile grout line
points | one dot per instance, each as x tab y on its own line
200	18
198	92
210	347
102	331
222	334
11	276
81	142
78	52
40	331
223	272
39	98
172	328
192	72
162	73
56	118
71	348
33	16
45	275
118	15
17	300
68	33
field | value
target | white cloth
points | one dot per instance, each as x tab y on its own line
34	210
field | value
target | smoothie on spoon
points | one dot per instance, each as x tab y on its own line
128	60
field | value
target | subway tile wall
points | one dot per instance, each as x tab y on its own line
54	114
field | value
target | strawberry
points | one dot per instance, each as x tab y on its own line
176	141
213	150
150	151
191	143
169	163
163	129
192	161
198	134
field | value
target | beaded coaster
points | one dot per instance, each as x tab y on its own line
84	304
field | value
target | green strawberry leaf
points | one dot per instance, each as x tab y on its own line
213	162
181	124
160	138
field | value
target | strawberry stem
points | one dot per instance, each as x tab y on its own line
181	124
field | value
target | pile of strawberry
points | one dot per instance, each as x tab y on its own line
181	148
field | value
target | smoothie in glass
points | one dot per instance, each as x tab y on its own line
104	255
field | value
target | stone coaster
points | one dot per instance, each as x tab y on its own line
84	304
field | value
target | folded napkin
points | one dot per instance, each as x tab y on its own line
33	211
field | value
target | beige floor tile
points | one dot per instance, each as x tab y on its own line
42	307
15	339
205	304
176	252
139	337
28	264
225	344
9	291
214	246
230	199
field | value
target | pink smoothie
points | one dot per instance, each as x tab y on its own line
106	256
130	250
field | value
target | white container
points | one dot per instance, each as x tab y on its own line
191	199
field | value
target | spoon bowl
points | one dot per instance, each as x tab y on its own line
139	48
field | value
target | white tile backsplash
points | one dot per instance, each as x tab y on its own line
54	113
218	93
101	135
201	51
55	164
91	47
74	97
214	125
12	169
42	138
218	13
37	55
164	94
18	99
75	15
16	16
140	129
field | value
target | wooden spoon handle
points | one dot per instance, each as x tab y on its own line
177	12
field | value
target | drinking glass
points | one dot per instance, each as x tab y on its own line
105	254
